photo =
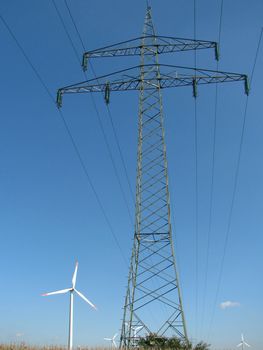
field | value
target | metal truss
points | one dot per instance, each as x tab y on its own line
157	44
153	303
131	79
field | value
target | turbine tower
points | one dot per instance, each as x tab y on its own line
153	302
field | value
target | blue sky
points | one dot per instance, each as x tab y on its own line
50	216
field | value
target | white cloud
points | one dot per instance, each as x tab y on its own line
227	304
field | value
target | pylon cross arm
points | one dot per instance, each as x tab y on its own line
132	79
157	44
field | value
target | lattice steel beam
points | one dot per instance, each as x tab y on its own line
131	79
159	44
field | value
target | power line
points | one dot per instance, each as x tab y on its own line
66	31
234	190
95	108
73	142
211	198
112	160
108	108
27	58
196	189
75	25
121	154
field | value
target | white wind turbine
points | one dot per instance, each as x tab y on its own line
243	343
71	291
136	330
112	340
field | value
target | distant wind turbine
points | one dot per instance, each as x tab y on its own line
71	291
243	343
135	330
112	340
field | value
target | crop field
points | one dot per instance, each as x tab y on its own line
24	346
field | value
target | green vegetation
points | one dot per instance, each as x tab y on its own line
152	341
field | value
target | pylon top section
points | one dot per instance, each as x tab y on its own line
148	29
150	44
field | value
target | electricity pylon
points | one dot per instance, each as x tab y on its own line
153	302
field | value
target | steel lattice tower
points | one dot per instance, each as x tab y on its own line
153	278
153	303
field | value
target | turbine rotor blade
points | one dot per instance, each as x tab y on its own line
239	345
246	344
109	339
115	335
62	291
74	277
114	343
87	300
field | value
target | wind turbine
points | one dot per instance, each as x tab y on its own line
71	292
112	340
135	330
243	343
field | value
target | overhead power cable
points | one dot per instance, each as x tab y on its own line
75	25
108	108
66	31
211	197
95	108
73	142
196	191
236	176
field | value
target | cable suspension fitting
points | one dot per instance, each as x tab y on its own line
107	93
